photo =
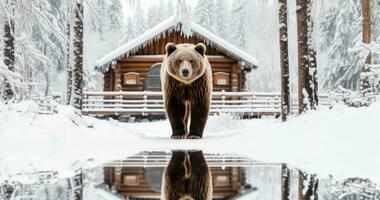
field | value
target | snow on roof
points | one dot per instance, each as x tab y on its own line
135	43
223	44
188	27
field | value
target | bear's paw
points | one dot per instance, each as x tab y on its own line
178	137
194	137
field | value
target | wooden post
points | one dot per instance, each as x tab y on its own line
235	80
118	179
117	83
78	54
307	63
365	83
9	49
284	56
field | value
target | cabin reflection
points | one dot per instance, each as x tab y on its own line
140	176
233	177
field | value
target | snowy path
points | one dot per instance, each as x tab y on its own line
343	142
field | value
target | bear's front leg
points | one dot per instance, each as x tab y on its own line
176	110
199	115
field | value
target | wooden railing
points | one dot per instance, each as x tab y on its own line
144	103
161	159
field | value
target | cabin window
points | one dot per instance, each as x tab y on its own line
221	180
131	78
131	180
153	81
221	78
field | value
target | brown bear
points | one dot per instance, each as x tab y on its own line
186	81
187	177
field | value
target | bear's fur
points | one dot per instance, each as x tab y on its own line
186	97
187	177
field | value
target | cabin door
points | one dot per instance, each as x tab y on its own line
153	81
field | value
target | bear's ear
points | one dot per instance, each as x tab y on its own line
200	48
170	48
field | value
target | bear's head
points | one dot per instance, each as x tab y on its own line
186	62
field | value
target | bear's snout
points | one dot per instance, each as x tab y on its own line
185	73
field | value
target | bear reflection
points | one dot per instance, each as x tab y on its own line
187	177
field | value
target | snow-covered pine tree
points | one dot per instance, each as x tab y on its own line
340	29
153	16
139	20
221	18
351	188
99	17
49	40
129	32
115	15
204	14
239	14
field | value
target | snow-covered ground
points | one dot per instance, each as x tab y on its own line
343	142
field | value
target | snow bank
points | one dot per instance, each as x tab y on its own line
343	141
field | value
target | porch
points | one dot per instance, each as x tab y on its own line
149	103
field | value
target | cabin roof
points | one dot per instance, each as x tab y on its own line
187	28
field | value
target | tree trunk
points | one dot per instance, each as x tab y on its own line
9	49
365	83
307	65
311	192
285	190
69	67
9	54
284	56
378	11
78	184
78	56
312	81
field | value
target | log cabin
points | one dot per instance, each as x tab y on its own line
145	182
132	85
135	65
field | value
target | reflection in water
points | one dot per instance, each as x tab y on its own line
187	177
192	175
181	175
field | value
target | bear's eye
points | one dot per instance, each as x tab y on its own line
191	61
